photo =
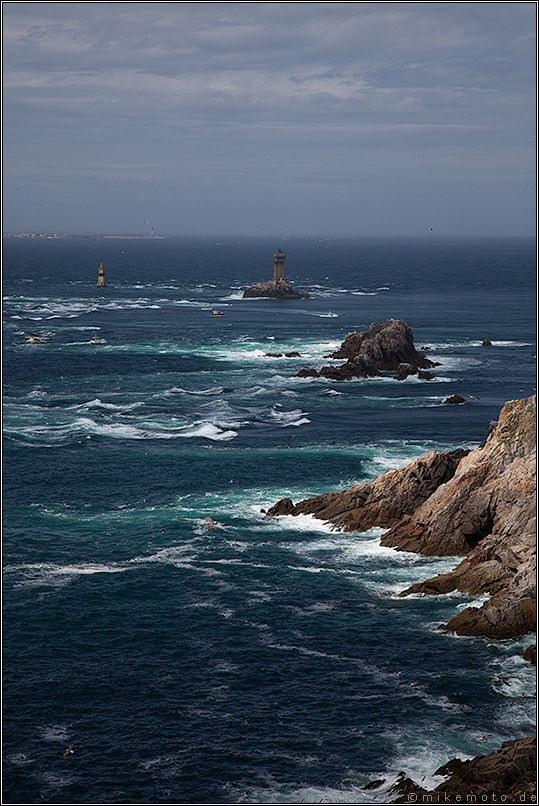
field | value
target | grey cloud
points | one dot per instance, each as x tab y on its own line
346	97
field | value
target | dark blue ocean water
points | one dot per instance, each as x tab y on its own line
269	661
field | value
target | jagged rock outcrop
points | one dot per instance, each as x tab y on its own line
509	774
487	511
480	504
387	347
381	502
274	290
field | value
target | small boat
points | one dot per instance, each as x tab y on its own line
328	315
95	340
36	340
217	313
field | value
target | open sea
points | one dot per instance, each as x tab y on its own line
271	660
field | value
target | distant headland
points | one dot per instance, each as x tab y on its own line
88	236
278	288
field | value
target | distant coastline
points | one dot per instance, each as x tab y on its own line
56	236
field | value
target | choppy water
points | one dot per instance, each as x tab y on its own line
270	660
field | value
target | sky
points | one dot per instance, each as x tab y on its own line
244	119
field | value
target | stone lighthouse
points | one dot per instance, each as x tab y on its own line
278	270
277	288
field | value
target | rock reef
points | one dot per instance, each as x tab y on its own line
272	289
478	503
508	775
387	347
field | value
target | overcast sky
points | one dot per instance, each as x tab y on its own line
352	119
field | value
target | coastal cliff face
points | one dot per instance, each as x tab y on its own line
479	503
381	502
488	511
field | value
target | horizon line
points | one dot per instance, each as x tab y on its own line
144	237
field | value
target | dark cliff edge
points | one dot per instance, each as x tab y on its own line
480	504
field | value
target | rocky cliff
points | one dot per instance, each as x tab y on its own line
487	510
480	504
381	502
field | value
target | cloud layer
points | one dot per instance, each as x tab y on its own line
262	118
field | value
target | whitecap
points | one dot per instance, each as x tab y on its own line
51	574
98	404
214	390
209	431
288	418
55	733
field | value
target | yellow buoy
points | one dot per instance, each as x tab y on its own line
101	277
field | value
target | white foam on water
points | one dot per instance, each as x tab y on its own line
144	430
288	418
214	390
294	523
98	404
515	680
19	759
435	346
51	574
311	794
55	733
234	295
209	431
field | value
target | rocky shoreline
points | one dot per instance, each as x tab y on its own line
508	775
479	504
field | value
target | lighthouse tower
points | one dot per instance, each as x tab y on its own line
101	277
278	271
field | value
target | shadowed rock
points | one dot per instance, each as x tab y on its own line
480	504
508	773
387	347
488	512
273	290
381	502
